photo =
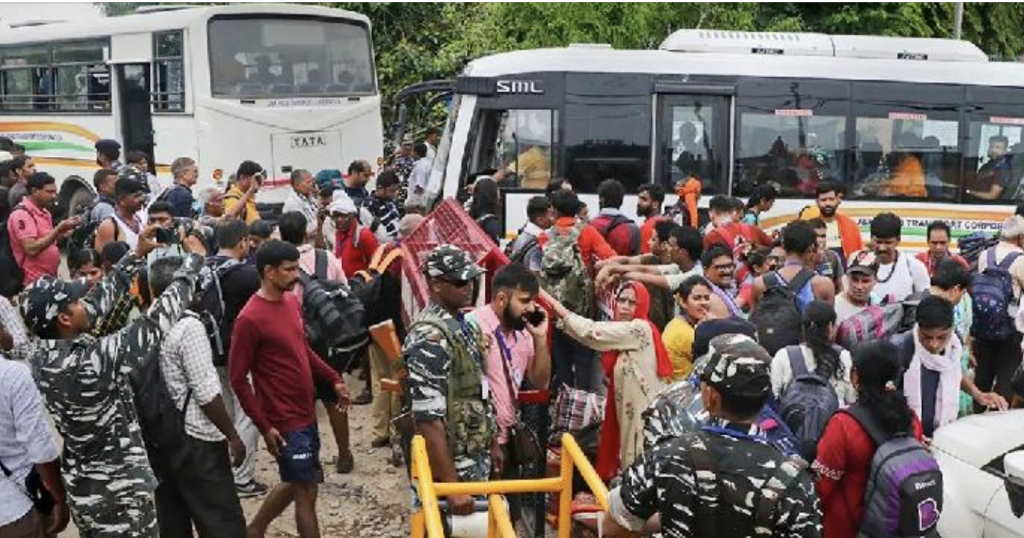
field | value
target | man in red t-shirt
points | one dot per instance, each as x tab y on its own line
938	248
649	200
726	230
268	343
33	236
621	233
354	244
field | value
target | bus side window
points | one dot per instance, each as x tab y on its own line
994	161
516	147
692	151
82	76
906	155
169	70
790	134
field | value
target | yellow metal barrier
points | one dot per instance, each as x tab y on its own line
427	522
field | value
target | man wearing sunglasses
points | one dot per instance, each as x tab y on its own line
445	357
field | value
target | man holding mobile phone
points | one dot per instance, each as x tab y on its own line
518	355
240	200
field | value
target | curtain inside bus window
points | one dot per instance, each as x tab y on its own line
994	158
607	130
791	133
907	141
289	57
516	147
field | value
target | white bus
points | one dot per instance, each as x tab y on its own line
288	86
902	124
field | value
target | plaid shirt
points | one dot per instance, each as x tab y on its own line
186	361
11	320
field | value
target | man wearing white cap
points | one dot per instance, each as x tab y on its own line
354	244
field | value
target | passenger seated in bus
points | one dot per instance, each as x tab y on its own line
995	175
907	177
691	154
532	169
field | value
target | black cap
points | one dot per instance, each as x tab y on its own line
107	145
716	327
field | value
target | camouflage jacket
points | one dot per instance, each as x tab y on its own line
85	385
449	384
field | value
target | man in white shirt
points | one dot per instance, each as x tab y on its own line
303	199
197	485
999	358
26	446
899	275
418	179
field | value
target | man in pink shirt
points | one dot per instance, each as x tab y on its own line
518	354
293	229
33	236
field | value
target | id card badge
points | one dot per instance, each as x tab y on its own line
485	388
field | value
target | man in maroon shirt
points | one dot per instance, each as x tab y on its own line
268	343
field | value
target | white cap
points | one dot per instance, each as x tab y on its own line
342	204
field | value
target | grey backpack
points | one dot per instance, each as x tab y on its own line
903	497
807	405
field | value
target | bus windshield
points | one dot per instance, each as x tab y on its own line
289	57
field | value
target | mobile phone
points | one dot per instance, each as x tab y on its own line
165	236
537	317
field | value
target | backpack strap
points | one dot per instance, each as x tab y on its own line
796	361
1007	261
771	280
320	267
868	423
800	280
730	238
906	347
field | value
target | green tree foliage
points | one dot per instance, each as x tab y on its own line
415	42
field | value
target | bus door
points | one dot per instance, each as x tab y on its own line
133	85
693	138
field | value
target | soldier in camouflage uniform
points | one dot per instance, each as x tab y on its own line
725	479
446	388
84	381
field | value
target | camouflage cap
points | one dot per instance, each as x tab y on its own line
737	365
451	263
130	172
46	298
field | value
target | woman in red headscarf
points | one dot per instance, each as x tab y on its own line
635	362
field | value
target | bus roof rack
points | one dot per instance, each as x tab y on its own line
159	8
814	44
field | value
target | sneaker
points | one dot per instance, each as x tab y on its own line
344	465
364	398
251	488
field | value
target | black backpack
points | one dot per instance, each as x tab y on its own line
211	310
11	274
162	423
332	312
778	317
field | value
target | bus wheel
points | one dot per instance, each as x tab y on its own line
80	202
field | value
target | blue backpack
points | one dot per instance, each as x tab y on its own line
993	296
807	405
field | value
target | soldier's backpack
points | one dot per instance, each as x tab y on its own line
808	404
903	497
332	313
564	274
162	422
992	293
778	317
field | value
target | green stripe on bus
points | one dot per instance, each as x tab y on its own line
36	145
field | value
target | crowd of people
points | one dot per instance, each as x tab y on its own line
202	287
740	381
